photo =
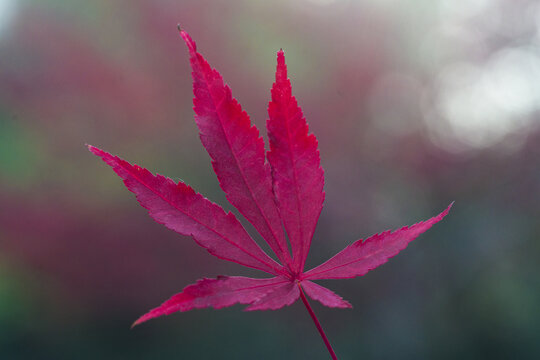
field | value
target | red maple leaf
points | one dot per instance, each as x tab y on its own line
285	188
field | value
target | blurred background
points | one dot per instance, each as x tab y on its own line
415	104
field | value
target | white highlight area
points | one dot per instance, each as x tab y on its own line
323	2
481	105
7	13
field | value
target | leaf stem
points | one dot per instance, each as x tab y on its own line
317	323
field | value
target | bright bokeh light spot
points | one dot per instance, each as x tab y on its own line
481	105
7	12
512	80
454	9
323	2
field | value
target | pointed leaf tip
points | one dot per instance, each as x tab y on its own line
281	67
142	319
94	150
281	57
192	46
137	322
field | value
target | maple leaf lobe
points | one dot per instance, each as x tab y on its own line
298	178
237	152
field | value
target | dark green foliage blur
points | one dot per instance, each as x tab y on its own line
415	105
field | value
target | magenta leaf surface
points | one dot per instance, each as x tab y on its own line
296	169
364	255
285	192
217	293
237	152
179	208
324	296
281	296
